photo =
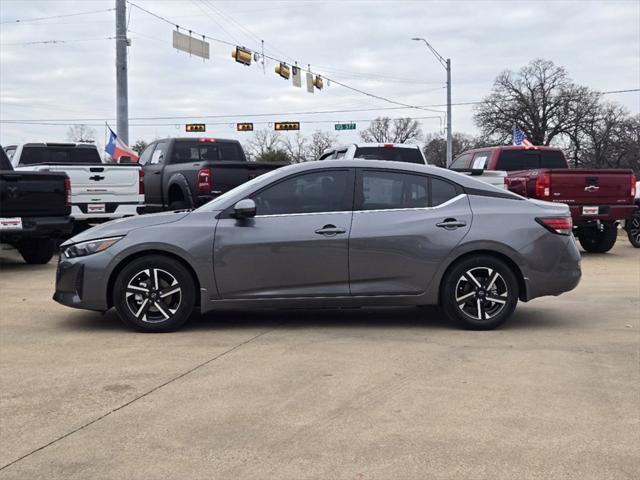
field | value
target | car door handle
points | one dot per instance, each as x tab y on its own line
451	224
157	172
330	230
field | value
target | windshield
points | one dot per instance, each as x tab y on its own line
219	202
409	155
50	154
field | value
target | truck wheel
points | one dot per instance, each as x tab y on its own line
37	251
633	229
479	292
154	294
594	240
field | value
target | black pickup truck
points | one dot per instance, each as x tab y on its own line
34	210
181	173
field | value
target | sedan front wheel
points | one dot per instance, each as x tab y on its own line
480	292
154	294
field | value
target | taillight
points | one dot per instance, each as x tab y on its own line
67	191
204	180
633	186
388	145
141	182
559	225
543	185
204	139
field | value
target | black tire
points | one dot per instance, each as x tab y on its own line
477	280
633	230
37	251
149	311
594	240
179	205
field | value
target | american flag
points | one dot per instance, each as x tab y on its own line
519	138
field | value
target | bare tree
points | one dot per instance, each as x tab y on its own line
540	98
385	130
435	149
139	146
296	146
263	141
81	134
320	141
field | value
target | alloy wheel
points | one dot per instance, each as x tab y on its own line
153	295
481	293
634	228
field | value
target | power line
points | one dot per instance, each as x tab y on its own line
52	42
23	20
342	84
271	114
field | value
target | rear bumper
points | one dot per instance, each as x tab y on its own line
606	213
38	227
563	277
112	210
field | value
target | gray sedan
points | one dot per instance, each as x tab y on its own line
351	233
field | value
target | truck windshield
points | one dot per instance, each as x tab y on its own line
511	160
33	155
408	155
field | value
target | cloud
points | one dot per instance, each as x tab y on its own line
362	43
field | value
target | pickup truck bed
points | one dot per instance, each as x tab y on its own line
34	210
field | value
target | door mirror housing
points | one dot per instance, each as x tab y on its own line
245	208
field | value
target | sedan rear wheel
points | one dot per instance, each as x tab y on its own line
480	292
154	294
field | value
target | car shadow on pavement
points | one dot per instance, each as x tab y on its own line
384	317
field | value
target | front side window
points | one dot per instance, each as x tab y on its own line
315	192
388	190
146	154
480	160
159	153
462	162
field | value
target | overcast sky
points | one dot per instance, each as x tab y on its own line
365	44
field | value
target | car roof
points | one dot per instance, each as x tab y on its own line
59	144
375	145
197	139
465	181
511	147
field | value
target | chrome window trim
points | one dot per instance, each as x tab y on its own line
448	202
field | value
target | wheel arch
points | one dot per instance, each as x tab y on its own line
178	183
125	261
517	271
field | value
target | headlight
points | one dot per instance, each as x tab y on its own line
87	248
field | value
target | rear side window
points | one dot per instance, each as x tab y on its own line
462	162
441	191
408	155
388	190
49	154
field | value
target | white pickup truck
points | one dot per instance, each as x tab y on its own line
99	191
402	152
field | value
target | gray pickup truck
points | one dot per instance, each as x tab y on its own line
183	173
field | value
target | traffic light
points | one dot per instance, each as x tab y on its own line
286	126
195	127
242	55
318	83
283	70
244	127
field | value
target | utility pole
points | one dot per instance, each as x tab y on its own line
449	133
447	66
122	95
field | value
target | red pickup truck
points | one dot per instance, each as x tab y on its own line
598	199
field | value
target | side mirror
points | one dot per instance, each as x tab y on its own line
244	209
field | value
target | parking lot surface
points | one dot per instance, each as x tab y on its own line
354	394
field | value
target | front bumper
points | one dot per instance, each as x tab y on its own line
82	283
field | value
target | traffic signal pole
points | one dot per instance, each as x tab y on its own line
122	95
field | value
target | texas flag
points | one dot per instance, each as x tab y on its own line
117	148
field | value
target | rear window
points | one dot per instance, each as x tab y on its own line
510	160
408	155
185	152
59	155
